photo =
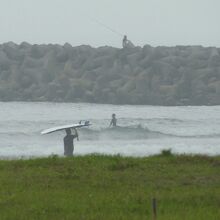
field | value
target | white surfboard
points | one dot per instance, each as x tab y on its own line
62	127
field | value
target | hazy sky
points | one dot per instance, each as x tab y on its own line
154	22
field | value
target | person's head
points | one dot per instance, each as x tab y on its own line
68	131
125	37
113	115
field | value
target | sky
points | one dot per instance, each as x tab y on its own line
104	22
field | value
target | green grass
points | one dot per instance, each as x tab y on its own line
110	187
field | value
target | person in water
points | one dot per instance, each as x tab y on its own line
68	142
113	122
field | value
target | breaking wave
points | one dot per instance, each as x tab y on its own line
134	133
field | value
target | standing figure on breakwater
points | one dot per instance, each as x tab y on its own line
113	122
124	42
127	43
68	142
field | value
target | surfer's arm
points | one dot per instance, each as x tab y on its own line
76	134
111	122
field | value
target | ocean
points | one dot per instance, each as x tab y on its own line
143	130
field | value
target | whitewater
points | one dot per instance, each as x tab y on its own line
143	130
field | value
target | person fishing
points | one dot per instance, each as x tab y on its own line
113	122
127	43
68	141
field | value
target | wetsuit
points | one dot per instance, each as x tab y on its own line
68	144
113	122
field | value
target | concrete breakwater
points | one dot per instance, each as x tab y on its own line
181	75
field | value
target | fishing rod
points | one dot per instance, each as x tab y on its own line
110	29
105	26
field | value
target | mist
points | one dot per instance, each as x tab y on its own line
154	22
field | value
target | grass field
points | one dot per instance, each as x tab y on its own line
110	187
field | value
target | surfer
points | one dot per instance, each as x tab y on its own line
68	142
113	122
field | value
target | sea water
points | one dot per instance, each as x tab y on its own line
143	130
